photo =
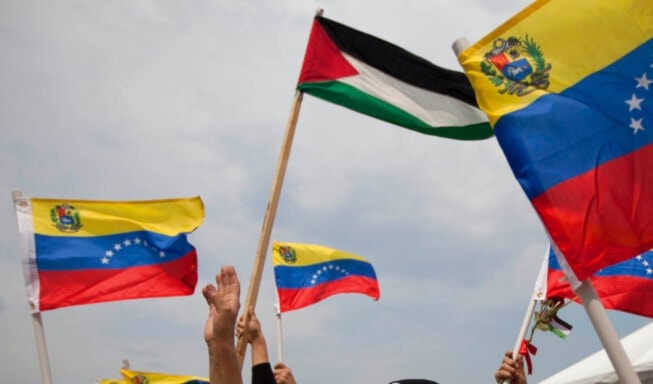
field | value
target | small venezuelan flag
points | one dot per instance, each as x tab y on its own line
82	252
306	274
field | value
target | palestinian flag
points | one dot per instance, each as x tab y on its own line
366	74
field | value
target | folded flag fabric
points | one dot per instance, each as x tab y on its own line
626	286
111	381
571	108
82	251
306	274
560	327
371	76
136	377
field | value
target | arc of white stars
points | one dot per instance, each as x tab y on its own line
117	247
325	268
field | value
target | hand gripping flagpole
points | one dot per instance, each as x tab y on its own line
39	333
268	221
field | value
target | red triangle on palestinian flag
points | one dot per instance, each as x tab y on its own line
323	60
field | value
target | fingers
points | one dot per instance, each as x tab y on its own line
208	292
228	279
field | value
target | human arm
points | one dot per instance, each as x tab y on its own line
224	304
255	336
261	368
511	369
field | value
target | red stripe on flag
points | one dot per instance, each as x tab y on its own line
67	288
598	219
290	299
630	294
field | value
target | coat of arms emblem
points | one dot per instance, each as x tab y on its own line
288	254
66	218
516	65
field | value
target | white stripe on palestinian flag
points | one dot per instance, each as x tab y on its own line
559	329
433	109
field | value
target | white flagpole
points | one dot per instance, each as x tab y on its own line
522	331
608	336
279	338
539	293
37	322
601	322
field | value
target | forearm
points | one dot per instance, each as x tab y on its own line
224	367
259	351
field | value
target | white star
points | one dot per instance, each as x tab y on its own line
324	268
145	243
162	254
643	81
117	247
319	272
127	242
649	271
634	103
109	253
645	263
104	260
639	257
636	125
314	277
330	266
137	241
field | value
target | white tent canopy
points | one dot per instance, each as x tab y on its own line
597	368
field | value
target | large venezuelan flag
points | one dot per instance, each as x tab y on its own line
81	252
567	86
306	274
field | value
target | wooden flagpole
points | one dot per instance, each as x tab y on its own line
37	322
268	221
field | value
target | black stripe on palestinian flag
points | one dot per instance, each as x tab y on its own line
374	77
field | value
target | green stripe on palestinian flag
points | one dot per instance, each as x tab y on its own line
379	79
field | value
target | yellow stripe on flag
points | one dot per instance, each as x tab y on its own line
97	218
555	27
308	254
